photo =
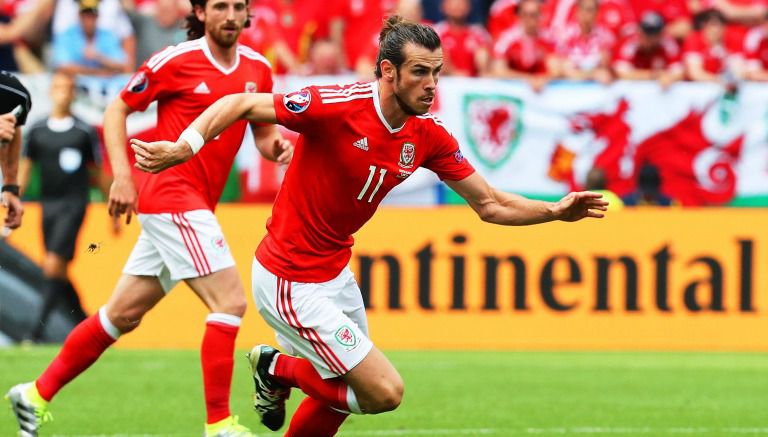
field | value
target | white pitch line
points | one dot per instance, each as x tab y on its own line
579	430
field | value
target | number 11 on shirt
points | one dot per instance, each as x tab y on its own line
372	169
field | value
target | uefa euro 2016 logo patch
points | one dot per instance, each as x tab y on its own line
297	101
138	82
458	156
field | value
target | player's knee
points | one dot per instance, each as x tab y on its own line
387	397
126	320
235	305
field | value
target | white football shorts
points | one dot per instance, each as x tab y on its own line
324	322
178	246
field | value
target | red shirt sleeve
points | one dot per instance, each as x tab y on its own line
303	111
447	161
146	86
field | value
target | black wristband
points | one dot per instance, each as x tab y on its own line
11	188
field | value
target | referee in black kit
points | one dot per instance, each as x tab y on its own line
67	151
15	104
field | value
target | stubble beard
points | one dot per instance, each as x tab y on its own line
400	102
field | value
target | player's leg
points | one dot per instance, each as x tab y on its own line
313	321
136	292
194	250
349	301
223	293
315	419
132	298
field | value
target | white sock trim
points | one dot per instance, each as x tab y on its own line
273	364
109	328
227	319
354	407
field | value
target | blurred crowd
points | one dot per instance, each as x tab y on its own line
538	41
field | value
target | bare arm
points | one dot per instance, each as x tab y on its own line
696	71
9	163
628	72
25	165
498	207
159	155
122	193
271	144
28	22
10	152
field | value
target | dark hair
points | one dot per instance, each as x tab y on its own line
705	16
196	28
396	33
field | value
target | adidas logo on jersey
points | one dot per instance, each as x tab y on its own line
202	89
362	144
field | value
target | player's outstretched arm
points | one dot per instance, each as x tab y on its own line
159	155
502	208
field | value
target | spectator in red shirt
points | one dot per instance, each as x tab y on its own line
585	47
501	17
706	55
524	51
756	53
284	31
649	54
465	46
614	15
676	14
354	26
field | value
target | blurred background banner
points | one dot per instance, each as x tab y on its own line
646	278
709	146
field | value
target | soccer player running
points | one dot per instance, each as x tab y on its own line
15	104
357	142
180	238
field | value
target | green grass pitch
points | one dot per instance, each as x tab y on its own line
159	393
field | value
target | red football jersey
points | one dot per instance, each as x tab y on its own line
347	159
665	56
585	51
461	43
714	58
523	52
756	48
185	79
614	15
671	10
501	16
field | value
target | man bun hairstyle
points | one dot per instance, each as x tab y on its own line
396	33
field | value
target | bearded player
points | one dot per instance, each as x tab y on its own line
180	239
357	142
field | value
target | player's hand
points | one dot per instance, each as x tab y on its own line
7	128
122	199
283	151
576	206
15	210
115	225
156	156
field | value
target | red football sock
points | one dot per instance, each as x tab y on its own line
298	372
83	346
314	419
217	357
